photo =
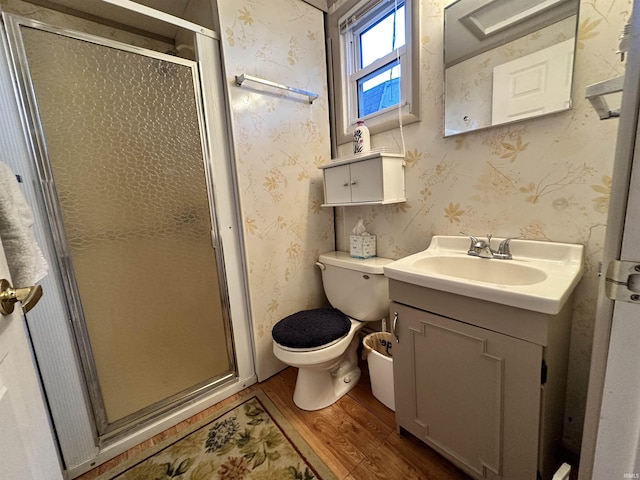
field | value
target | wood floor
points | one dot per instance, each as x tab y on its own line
355	437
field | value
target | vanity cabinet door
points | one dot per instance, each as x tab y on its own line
470	393
337	184
366	181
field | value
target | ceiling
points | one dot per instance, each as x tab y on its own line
476	26
98	9
197	11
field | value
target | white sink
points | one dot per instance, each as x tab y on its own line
540	277
504	272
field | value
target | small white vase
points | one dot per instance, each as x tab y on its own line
361	138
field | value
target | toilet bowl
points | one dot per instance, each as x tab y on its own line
323	343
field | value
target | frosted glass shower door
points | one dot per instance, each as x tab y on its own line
132	208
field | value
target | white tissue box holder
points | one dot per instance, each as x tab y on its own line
363	246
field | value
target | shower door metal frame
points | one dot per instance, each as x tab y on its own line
105	431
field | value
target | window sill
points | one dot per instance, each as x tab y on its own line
383	126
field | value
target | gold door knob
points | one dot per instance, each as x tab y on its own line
29	296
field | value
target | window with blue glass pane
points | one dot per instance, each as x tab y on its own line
377	53
378	41
379	90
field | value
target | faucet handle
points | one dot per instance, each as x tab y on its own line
504	250
473	240
473	247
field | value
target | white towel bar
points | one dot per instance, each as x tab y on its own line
595	93
242	77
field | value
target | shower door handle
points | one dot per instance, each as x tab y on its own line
9	296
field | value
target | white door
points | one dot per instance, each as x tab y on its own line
611	440
535	84
617	452
27	448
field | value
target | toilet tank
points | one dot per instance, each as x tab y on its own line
357	287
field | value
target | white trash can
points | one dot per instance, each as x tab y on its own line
377	352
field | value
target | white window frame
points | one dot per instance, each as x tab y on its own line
353	71
345	26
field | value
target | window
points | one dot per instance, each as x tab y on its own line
375	63
371	45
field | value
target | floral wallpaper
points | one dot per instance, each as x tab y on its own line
547	178
279	139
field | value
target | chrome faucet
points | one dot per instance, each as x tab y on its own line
482	248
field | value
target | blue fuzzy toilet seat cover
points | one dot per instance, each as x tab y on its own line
311	328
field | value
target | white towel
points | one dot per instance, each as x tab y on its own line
24	257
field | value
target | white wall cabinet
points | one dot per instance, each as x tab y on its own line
376	178
483	384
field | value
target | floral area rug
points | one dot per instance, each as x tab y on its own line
248	440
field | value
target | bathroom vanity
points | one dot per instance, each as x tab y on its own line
481	382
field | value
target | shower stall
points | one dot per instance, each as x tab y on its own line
128	151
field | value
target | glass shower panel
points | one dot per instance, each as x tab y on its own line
124	146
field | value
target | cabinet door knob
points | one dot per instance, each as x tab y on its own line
353	182
346	184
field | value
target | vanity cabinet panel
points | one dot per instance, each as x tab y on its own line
472	394
337	184
366	181
376	178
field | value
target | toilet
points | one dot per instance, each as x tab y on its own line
322	343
